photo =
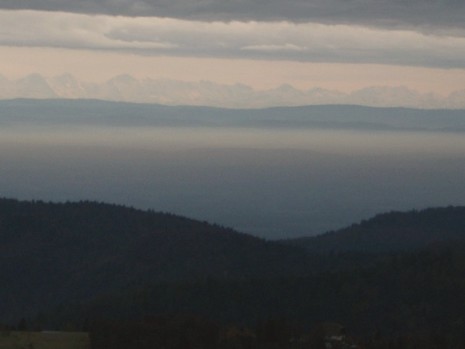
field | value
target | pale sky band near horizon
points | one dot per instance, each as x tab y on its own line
336	45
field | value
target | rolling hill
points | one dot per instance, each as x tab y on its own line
70	263
50	112
51	253
391	232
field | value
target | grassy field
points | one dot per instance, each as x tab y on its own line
44	340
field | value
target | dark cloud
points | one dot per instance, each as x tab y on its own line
385	13
306	42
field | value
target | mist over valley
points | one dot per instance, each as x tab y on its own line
273	173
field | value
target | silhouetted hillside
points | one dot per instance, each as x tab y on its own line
416	293
389	232
74	263
50	253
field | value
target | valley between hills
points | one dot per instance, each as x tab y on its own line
75	264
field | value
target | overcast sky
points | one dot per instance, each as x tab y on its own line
444	14
338	44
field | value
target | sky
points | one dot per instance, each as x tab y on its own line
238	53
339	45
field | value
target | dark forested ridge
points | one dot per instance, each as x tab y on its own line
53	252
391	232
414	293
104	267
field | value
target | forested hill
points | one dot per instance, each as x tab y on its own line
72	263
53	252
416	293
391	232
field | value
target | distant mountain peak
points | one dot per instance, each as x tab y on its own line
127	88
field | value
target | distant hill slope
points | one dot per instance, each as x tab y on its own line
118	114
50	253
390	232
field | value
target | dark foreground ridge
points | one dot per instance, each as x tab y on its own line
123	273
52	252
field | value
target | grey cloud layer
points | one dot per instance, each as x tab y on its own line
385	13
310	42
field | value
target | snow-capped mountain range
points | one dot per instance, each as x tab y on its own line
172	92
